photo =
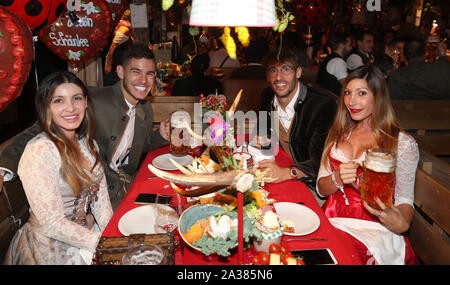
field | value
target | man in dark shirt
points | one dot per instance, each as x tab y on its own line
363	54
421	80
333	70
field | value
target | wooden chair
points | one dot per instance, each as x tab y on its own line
251	94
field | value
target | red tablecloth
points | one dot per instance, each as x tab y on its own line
289	191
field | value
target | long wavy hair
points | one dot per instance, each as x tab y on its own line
71	170
383	122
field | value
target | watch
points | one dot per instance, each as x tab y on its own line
294	173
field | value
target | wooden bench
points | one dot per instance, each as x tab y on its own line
163	106
428	121
430	229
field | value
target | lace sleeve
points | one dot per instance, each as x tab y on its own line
407	161
101	208
39	172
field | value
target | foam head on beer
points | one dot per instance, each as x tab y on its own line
380	161
178	119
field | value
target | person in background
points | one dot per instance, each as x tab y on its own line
362	55
321	49
366	120
421	80
333	70
254	55
124	123
197	83
122	36
63	178
385	63
219	57
305	116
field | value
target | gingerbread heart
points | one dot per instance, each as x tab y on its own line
78	36
16	53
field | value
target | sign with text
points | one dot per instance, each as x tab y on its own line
79	36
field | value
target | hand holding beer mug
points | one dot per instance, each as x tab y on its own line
378	178
180	138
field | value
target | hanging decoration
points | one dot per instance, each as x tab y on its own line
283	17
16	53
36	13
117	7
79	35
228	42
311	12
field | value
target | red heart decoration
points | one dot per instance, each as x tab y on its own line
117	7
16	53
36	13
79	42
310	12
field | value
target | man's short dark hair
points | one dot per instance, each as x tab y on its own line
286	54
360	35
414	48
136	51
336	40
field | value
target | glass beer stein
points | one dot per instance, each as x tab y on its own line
378	178
180	138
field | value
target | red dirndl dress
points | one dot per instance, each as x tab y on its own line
335	206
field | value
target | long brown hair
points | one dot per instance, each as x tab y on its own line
383	122
71	169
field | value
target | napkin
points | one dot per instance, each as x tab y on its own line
386	247
258	154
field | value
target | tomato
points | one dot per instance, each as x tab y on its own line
300	262
274	248
255	260
284	250
284	259
263	258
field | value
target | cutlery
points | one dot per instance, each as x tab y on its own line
306	239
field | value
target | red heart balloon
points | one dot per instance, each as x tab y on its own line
117	7
310	12
16	53
36	13
80	41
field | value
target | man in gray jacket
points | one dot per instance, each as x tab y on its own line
124	123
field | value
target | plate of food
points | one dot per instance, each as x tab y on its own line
297	220
163	161
145	219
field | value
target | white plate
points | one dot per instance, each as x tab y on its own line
162	162
142	220
305	220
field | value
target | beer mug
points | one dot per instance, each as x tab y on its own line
180	138
378	178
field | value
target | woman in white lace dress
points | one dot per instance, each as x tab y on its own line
365	120
63	179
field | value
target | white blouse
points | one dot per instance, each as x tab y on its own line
405	171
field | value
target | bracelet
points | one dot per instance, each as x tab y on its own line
340	187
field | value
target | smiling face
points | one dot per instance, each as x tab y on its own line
283	78
366	45
359	100
67	108
138	77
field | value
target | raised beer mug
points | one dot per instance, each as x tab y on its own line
378	178
180	138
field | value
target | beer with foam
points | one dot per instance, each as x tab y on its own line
378	178
180	139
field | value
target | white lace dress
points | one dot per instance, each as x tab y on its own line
57	231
